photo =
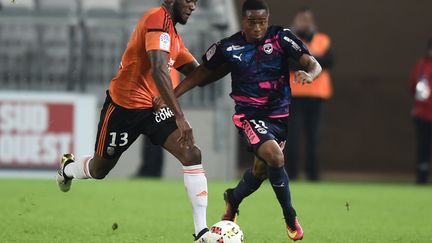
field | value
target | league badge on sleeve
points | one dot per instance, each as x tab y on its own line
210	53
165	41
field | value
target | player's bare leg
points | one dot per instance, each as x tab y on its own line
87	167
195	182
251	181
271	152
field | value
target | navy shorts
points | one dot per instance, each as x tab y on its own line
119	127
256	131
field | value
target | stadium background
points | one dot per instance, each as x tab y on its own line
58	56
75	46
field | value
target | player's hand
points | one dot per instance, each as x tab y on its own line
302	77
186	139
158	103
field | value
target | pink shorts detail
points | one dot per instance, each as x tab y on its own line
237	120
250	133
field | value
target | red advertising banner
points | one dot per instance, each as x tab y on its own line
36	128
34	134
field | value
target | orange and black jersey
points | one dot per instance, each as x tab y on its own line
133	87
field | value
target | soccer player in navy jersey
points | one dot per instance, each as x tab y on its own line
257	58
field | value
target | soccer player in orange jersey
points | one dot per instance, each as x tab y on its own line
154	50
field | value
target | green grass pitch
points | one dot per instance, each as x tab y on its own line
158	211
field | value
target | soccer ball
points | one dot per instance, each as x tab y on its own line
226	232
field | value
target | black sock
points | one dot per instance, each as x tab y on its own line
247	185
279	181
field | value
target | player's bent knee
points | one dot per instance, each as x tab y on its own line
275	159
191	156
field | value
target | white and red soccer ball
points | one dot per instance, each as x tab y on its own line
226	232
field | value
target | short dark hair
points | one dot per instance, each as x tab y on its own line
254	5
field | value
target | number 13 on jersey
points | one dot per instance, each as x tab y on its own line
123	139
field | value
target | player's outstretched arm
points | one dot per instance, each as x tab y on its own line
159	62
201	76
313	70
188	68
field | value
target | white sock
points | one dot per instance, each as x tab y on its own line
196	186
79	169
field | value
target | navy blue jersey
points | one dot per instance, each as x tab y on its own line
259	72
